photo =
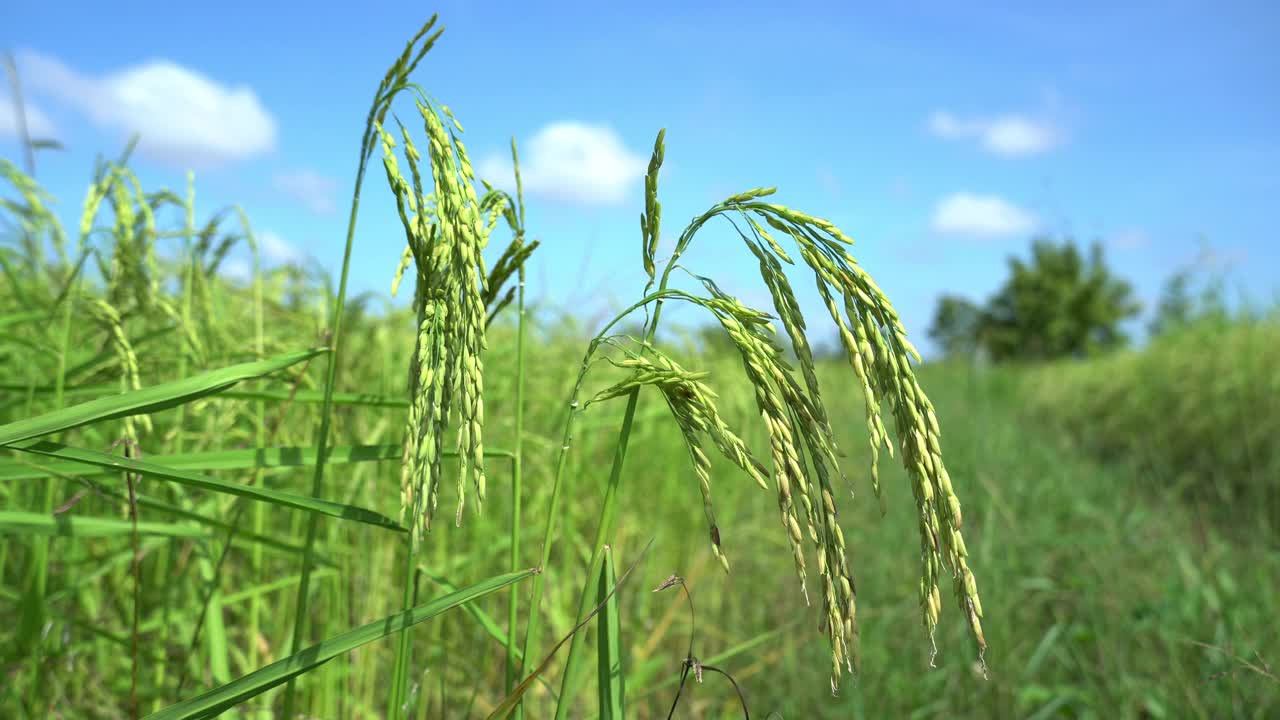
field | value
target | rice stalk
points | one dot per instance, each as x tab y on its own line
805	458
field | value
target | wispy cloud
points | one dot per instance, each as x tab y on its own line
982	216
1008	135
318	193
237	269
1129	239
278	251
185	119
571	162
39	125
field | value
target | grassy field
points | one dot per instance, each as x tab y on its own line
1119	514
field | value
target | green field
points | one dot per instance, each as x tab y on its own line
1120	513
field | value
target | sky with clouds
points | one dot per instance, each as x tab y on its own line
942	137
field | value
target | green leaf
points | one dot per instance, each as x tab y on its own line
509	703
259	681
204	482
147	400
250	459
19	318
609	671
485	620
30	523
299	397
316	397
253	458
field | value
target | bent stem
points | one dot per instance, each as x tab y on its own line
533	630
608	518
517	461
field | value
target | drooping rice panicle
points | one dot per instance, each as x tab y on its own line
802	442
692	406
445	239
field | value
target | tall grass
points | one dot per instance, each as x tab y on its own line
1198	409
1099	599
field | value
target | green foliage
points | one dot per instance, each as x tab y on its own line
955	326
1199	409
1179	307
1058	304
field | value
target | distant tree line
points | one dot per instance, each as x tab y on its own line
1062	302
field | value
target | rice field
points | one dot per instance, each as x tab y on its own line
263	498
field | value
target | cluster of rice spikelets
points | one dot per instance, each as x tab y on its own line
693	407
799	436
133	272
802	446
35	217
445	241
880	354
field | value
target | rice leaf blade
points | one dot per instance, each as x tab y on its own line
16	522
204	482
220	699
609	671
147	400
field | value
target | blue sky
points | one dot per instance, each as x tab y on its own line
940	136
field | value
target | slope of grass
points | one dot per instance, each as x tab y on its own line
1198	410
1099	589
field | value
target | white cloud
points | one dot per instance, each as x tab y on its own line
1129	239
981	216
237	269
317	192
277	250
39	126
572	162
1010	135
185	119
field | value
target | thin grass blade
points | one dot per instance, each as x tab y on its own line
220	699
204	482
14	522
609	671
147	400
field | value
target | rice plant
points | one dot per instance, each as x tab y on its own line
201	521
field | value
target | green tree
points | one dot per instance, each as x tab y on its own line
1059	304
1179	307
955	326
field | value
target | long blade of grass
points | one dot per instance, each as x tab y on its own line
204	482
485	620
509	704
315	397
147	400
13	522
19	318
220	699
250	459
609	670
301	397
517	466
